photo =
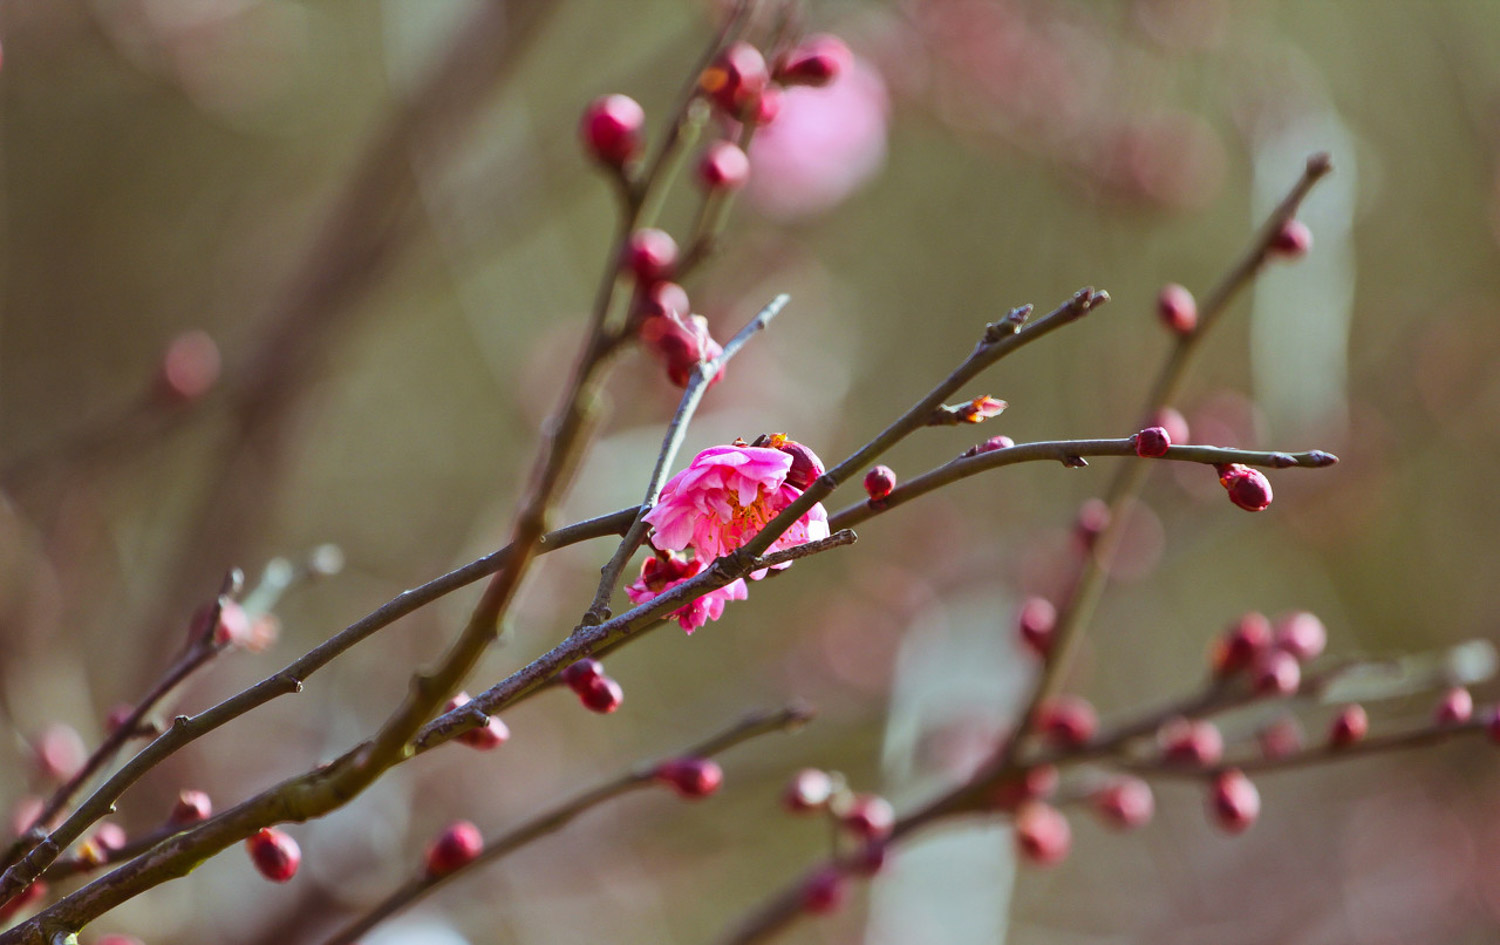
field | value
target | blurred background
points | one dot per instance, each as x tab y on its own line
378	217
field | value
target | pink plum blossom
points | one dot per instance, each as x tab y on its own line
724	498
825	144
661	574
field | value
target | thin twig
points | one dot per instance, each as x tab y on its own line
638	776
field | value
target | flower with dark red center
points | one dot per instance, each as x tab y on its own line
724	498
809	790
1248	488
1277	673
1301	634
691	777
1042	834
1177	308
1241	645
651	254
724	166
824	892
1125	803
1349	726
1292	241
1068	721
869	817
1191	742
736	79
457	846
1234	802
667	570
1152	442
274	853
1455	707
816	61
1037	621
192	807
879	482
611	129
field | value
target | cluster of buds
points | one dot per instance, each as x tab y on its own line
867	818
744	88
491	734
1272	654
598	692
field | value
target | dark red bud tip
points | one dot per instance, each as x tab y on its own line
189	366
806	466
274	853
603	695
879	482
581	675
1191	742
1277	673
457	846
869	817
1125	803
809	790
691	777
1234	801
651	255
824	892
1241	645
1455	707
816	61
1152	442
192	807
611	129
1177	308
724	167
736	79
1068	722
1043	836
1292	241
1037	621
1301	634
1248	488
1349	726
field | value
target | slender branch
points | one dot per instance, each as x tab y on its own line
589	640
638	776
1064	451
1075	612
697	386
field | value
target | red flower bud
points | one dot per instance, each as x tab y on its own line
1037	621
603	695
879	482
736	79
1069	722
816	61
1248	488
581	675
1455	707
1292	241
651	254
189	367
1301	634
680	341
1349	726
990	445
768	106
1234	802
1152	442
824	892
1125	803
59	752
192	807
611	129
1241	645
492	734
1177	308
806	466
1173	422
274	853
1042	834
724	167
1093	518
1277	673
457	846
809	790
869	817
1191	742
691	777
